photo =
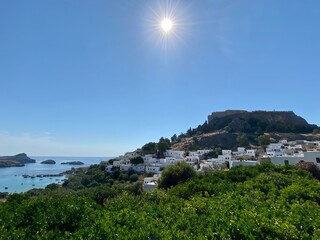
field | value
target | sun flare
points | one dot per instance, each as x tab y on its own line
166	25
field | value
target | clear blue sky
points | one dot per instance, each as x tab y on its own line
98	77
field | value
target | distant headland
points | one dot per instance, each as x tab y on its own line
18	160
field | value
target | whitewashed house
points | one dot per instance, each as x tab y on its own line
152	169
193	153
202	152
138	168
226	152
175	154
150	183
313	157
192	160
148	158
251	152
275	150
121	162
235	163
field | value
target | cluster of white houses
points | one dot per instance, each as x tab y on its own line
196	159
293	152
280	153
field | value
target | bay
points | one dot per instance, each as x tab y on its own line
11	179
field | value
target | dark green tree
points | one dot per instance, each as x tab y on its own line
174	138
175	174
162	146
136	160
149	148
264	140
242	140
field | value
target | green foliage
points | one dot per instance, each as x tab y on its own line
136	160
149	148
316	131
134	177
175	174
260	202
174	138
264	140
53	186
156	148
3	195
163	145
311	168
213	154
242	140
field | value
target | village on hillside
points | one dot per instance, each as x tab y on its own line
282	153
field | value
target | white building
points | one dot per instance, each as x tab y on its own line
202	152
313	157
224	157
175	154
235	163
125	167
275	150
251	152
226	152
195	153
152	169
138	168
129	155
148	158
150	183
121	162
192	160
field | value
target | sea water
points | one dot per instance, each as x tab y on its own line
12	181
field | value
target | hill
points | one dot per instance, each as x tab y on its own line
16	160
222	129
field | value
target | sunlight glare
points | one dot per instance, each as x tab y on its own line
166	25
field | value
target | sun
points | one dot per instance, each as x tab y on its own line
166	25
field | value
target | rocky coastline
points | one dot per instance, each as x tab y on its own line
18	160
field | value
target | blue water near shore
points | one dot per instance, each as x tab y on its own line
11	177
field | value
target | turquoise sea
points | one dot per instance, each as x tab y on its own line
11	177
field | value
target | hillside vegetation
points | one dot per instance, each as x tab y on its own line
262	202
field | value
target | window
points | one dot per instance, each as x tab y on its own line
286	162
318	159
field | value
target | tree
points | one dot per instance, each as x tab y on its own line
316	131
213	154
134	177
149	148
162	146
174	138
175	174
52	186
136	160
309	167
242	140
264	140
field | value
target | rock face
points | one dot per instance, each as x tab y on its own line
8	163
73	163
16	160
49	161
222	129
264	121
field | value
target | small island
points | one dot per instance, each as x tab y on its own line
73	163
49	161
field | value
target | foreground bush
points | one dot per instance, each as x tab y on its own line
263	202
